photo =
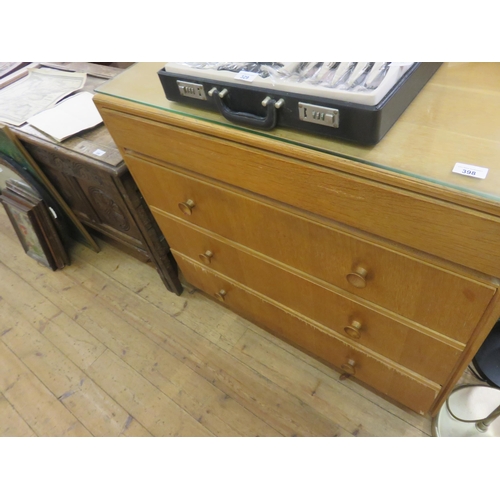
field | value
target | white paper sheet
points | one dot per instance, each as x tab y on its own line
71	116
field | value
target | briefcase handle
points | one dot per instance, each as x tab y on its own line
267	122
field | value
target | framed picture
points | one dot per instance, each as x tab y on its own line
28	231
22	193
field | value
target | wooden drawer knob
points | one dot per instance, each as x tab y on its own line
353	330
358	277
221	295
349	367
206	257
187	207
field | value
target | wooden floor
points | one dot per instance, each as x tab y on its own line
101	348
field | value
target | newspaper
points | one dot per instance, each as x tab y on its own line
38	91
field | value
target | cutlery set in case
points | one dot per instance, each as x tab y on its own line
351	101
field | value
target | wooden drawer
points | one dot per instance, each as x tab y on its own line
420	352
403	386
407	286
367	205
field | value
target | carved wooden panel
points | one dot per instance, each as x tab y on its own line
108	209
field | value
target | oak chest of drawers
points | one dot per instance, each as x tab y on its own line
386	277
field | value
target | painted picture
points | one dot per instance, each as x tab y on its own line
28	231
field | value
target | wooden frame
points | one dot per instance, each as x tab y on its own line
22	215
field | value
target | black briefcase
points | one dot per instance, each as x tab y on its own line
356	102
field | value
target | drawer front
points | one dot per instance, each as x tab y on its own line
399	385
398	215
411	348
407	286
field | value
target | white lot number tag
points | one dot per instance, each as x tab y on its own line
470	170
247	76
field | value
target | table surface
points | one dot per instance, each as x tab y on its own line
454	119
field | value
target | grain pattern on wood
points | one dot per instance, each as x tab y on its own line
11	423
147	404
100	414
41	410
